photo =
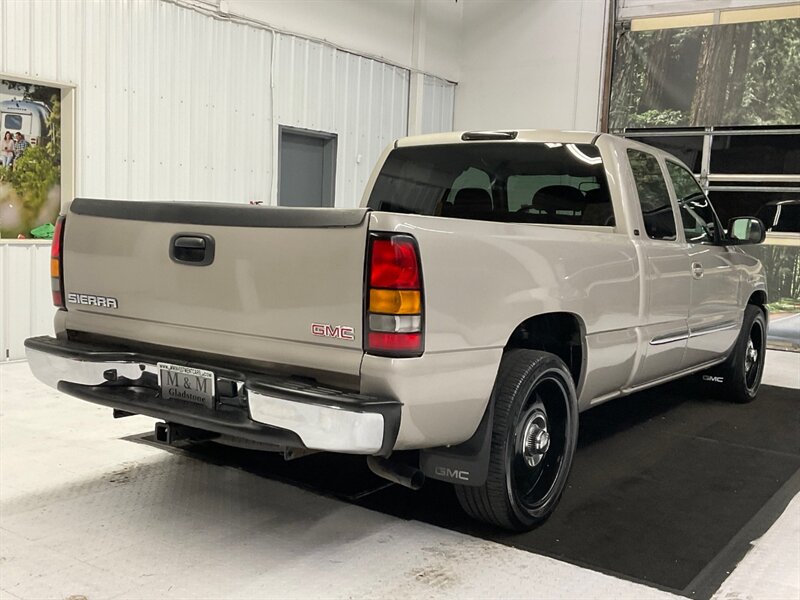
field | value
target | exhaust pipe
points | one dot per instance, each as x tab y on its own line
399	473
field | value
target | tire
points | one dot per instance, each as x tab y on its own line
741	372
534	392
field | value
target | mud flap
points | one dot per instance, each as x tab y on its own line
464	464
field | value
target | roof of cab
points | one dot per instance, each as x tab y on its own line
520	135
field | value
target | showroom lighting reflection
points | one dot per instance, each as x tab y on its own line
575	151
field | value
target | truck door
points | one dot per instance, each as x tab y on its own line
666	280
714	307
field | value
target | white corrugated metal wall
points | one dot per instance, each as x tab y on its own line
363	101
176	104
27	310
437	101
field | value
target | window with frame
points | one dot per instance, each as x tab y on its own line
13	122
659	220
530	182
697	215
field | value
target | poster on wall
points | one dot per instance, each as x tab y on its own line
738	74
30	159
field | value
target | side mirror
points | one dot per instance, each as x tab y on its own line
745	230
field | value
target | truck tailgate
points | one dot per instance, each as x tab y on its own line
281	280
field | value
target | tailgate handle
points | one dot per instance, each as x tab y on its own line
195	249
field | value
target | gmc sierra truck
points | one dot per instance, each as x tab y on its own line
491	287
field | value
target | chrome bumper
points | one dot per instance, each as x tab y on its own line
317	418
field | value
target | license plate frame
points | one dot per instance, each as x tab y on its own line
187	384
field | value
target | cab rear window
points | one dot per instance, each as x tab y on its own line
516	182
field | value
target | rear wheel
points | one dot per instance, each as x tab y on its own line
534	433
741	373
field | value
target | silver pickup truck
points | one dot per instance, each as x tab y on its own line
491	287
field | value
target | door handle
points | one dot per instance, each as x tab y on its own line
195	249
697	270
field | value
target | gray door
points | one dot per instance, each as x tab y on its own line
307	167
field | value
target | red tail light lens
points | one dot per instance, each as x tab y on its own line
57	264
393	319
394	264
403	342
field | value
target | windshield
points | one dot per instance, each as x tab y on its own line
788	219
517	182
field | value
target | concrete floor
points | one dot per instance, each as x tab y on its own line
84	513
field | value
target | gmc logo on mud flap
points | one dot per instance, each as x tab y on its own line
714	378
339	332
451	473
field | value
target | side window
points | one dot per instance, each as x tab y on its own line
659	221
697	216
13	122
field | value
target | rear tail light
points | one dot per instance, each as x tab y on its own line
394	302
57	264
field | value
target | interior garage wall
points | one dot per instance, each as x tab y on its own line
166	108
377	28
437	99
25	305
176	103
531	64
363	101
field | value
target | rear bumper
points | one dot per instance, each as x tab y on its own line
280	411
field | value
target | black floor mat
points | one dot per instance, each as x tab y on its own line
666	488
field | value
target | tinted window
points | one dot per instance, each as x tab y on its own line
497	181
781	217
763	154
697	215
522	188
688	148
746	203
787	219
472	178
13	122
659	221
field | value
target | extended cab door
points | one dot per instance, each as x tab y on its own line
665	277
714	308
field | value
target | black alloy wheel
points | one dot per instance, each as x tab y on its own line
534	433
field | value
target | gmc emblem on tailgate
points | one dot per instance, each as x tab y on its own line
339	332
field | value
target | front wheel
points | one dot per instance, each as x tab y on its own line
534	433
741	373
